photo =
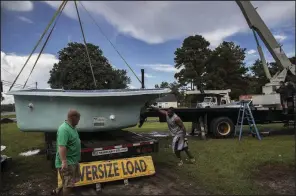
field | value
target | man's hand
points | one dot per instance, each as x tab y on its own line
64	164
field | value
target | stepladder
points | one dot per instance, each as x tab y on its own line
245	114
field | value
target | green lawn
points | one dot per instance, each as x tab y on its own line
224	166
8	116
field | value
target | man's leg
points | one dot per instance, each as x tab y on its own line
188	153
178	155
69	179
186	149
175	145
284	105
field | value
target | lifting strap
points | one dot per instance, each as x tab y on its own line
110	42
92	72
57	15
45	42
51	21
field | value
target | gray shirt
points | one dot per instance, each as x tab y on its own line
173	127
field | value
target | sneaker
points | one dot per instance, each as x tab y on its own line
180	163
192	160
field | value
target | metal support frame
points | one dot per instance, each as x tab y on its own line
201	126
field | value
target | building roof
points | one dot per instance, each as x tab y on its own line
167	98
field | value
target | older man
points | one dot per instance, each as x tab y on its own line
68	153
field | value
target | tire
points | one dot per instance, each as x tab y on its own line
222	127
207	107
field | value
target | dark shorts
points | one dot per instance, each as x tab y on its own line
70	176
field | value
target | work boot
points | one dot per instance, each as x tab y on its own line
192	160
180	163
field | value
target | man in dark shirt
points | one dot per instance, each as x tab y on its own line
283	91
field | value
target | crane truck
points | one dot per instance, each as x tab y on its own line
269	97
221	121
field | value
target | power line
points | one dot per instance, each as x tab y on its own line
8	83
7	71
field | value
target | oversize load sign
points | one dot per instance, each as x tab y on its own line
106	171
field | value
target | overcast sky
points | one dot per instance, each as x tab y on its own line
146	33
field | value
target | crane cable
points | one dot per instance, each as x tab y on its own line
46	42
110	42
92	72
51	21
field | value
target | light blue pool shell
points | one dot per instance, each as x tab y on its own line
43	110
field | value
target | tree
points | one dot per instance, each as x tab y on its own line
192	58
259	79
73	70
175	89
226	70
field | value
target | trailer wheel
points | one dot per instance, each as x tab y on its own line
222	127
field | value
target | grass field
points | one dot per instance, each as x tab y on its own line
8	116
224	166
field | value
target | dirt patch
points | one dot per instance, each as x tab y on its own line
164	182
276	179
36	186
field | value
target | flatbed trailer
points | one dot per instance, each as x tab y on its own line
221	121
106	145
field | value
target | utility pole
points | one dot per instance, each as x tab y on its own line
36	84
143	78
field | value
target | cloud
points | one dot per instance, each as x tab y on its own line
160	67
18	6
147	75
280	37
131	86
291	54
252	51
11	64
156	22
27	20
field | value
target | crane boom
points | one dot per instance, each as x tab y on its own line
256	23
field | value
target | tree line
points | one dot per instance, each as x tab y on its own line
220	68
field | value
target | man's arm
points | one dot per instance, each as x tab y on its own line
163	112
179	122
63	153
62	140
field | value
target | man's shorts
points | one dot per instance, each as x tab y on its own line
179	143
70	175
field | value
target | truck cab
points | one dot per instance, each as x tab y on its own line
214	100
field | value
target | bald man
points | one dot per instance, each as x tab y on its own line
68	153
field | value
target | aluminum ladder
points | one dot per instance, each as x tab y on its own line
245	112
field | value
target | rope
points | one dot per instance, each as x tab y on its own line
8	83
92	72
110	42
45	42
51	21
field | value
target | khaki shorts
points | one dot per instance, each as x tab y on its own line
70	176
